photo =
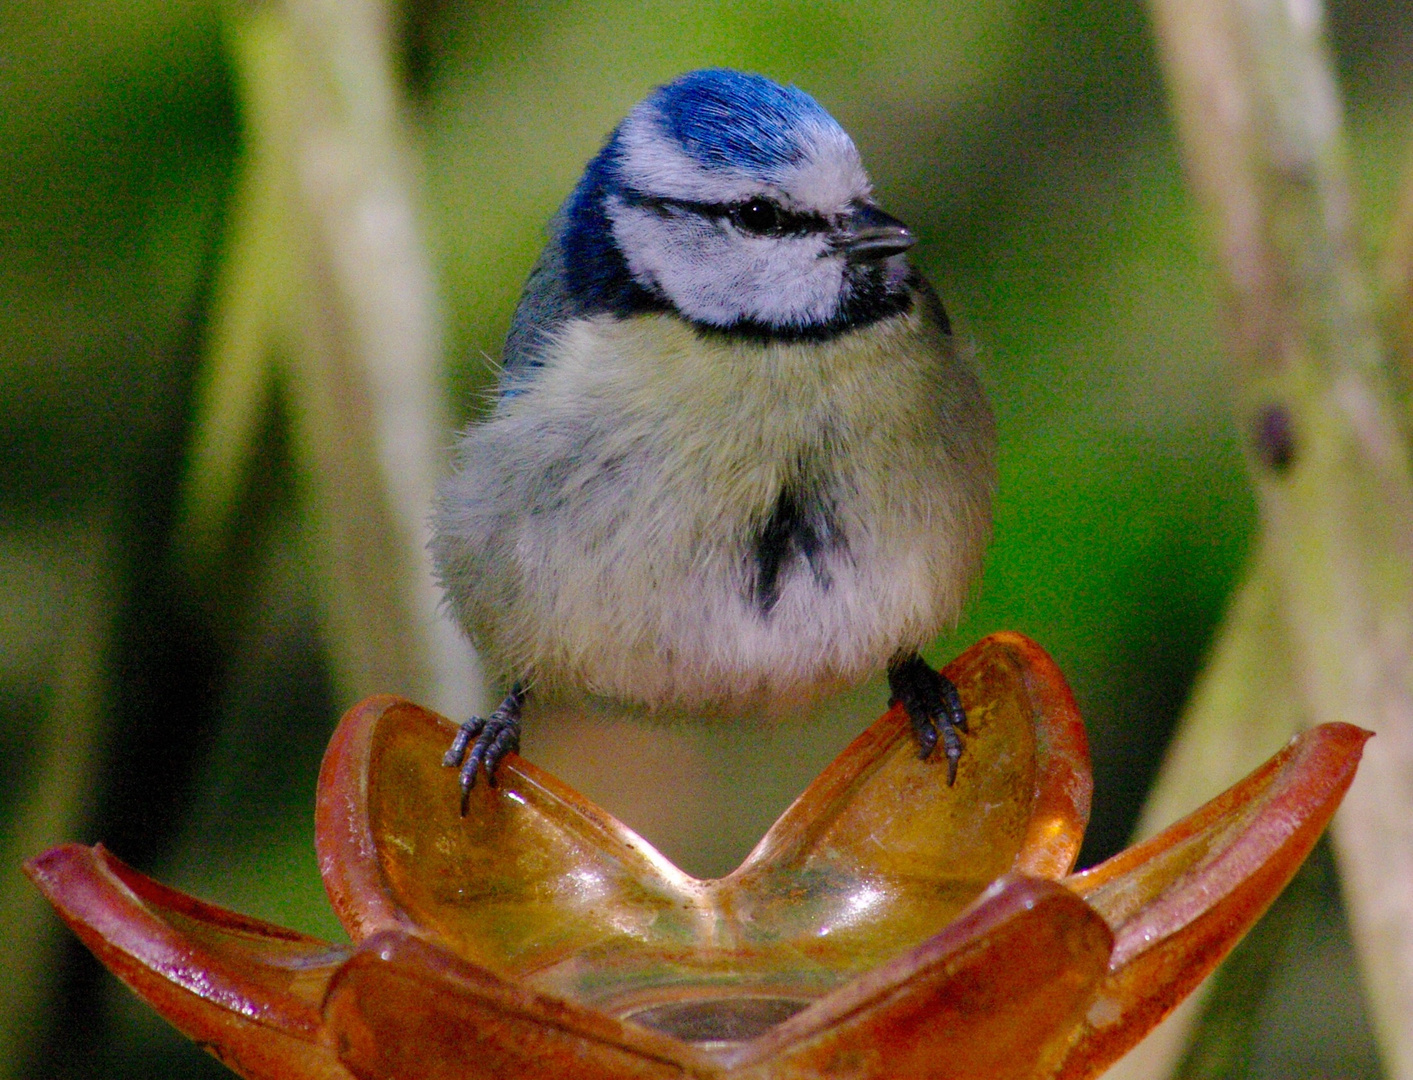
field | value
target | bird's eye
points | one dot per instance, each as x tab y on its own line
760	217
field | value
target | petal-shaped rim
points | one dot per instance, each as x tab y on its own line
998	992
365	900
993	995
877	855
247	990
996	995
1179	902
1060	796
1064	784
403	1007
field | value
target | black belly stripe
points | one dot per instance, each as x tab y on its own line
800	525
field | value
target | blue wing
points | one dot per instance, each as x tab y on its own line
545	306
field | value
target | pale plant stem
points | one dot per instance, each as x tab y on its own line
327	295
1328	601
368	372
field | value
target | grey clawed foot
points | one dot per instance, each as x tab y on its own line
933	706
494	736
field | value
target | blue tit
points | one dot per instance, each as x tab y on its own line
736	455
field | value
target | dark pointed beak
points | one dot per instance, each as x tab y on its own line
868	234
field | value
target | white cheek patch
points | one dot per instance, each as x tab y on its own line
714	275
787	283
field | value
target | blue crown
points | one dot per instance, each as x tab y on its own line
726	119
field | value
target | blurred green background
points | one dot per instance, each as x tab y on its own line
1026	142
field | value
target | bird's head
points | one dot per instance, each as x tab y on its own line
741	205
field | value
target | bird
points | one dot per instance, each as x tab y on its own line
736	453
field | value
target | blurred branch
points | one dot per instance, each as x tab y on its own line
328	297
1241	709
1226	1049
60	789
1396	284
255	278
1323	625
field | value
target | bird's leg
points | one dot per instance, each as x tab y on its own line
933	705
496	735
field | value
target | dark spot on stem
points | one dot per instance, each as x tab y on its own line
1274	438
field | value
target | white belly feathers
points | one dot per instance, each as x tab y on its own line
706	519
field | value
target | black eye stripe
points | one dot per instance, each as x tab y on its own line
787	222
